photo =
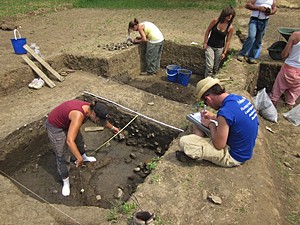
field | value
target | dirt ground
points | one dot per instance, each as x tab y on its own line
263	191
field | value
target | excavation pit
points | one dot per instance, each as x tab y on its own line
120	167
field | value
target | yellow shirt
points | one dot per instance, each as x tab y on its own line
152	32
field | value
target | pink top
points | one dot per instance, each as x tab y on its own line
59	116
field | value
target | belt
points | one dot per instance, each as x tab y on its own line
256	18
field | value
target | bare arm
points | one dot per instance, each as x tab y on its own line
76	118
293	39
227	43
143	37
212	23
112	127
219	134
273	8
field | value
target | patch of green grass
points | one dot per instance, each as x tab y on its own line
293	218
228	59
128	207
158	220
201	183
153	4
153	164
112	215
185	126
20	7
199	105
242	210
25	6
154	179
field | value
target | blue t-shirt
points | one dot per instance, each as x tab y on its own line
242	120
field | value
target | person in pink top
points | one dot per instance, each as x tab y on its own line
63	129
288	78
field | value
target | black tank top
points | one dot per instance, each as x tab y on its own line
217	37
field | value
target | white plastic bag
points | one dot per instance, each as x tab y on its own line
36	49
265	106
293	115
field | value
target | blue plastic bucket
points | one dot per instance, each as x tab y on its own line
172	77
18	43
172	69
184	76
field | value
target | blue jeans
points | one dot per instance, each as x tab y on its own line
256	31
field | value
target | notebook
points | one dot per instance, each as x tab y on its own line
195	118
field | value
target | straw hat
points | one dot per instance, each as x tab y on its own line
205	84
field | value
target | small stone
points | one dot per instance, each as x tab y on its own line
30	129
158	150
151	103
287	165
132	155
137	169
119	193
215	199
130	178
55	191
204	194
127	161
98	197
64	73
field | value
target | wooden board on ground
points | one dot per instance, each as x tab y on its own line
38	71
43	62
89	129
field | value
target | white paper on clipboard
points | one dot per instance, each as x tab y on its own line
195	118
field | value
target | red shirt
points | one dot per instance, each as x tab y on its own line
59	116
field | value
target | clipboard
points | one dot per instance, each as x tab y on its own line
195	118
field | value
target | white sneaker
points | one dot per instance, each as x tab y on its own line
39	84
88	158
66	187
33	82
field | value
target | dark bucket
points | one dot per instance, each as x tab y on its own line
275	50
172	77
143	218
184	76
172	69
18	43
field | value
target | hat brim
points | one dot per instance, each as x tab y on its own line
207	86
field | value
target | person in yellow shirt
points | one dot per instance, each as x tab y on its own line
154	39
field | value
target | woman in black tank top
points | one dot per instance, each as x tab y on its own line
217	40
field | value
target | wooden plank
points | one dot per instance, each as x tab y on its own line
44	63
38	71
88	129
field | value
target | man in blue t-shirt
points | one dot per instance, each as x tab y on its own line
233	139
